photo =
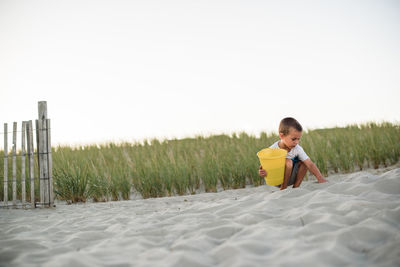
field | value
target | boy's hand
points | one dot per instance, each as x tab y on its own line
262	172
322	180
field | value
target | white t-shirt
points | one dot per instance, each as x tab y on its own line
297	151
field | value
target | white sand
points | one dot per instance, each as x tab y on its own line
354	220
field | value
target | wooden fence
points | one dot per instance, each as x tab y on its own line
38	171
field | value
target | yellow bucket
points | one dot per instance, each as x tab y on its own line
273	161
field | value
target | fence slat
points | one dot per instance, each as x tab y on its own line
31	172
23	176
41	185
5	164
14	164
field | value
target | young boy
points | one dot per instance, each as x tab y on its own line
297	161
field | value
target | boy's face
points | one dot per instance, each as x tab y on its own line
292	139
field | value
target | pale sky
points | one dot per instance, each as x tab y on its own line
116	70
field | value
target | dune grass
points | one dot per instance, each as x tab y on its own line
157	168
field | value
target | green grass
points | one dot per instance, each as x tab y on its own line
157	168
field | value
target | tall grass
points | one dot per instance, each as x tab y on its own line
157	168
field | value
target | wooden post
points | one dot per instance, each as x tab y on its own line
43	156
38	153
31	173
5	164
14	164
50	164
23	176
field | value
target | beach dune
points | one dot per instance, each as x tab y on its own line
353	220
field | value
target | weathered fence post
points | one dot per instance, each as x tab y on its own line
44	147
23	177
5	164
50	163
14	164
38	152
31	170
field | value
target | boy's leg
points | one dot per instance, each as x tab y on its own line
300	174
288	172
293	175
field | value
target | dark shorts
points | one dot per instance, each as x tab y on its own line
295	169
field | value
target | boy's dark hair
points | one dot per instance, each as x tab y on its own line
288	122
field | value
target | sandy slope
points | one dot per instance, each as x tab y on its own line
354	220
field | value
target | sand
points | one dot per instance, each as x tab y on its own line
354	220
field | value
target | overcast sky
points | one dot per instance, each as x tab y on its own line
128	70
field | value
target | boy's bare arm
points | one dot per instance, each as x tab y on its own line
314	170
262	172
